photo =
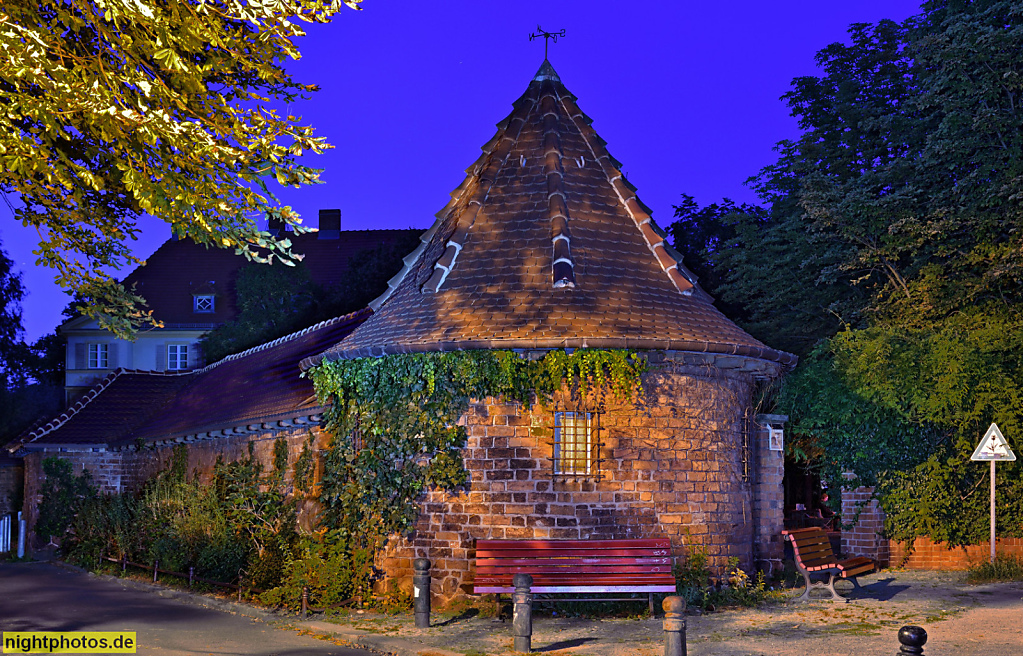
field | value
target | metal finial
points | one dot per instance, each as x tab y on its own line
546	36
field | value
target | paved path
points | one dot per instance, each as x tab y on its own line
44	597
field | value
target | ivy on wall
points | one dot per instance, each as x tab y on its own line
395	421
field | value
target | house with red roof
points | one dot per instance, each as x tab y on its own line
191	289
544	246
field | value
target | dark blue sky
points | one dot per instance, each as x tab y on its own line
685	93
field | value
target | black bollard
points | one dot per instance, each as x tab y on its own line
522	613
305	600
421	592
191	575
156	566
674	626
912	639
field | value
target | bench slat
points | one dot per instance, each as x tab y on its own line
553	560
593	553
556	545
575	569
814	549
497	589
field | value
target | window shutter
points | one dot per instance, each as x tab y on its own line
112	353
80	356
161	356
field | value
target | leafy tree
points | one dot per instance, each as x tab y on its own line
892	236
114	109
276	301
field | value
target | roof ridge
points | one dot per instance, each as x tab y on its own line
279	340
473	171
485	175
68	413
639	213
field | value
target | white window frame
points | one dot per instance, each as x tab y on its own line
97	356
578	461
177	357
198	299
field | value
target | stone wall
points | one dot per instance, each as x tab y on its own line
768	496
672	464
126	470
12	481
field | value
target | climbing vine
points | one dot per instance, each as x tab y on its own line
396	417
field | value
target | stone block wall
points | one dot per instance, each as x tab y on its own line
768	496
671	465
126	470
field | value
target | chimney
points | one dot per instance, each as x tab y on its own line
276	227
330	224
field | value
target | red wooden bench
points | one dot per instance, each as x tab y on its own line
576	566
811	549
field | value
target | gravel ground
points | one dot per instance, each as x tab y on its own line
960	619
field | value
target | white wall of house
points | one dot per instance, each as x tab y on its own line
149	352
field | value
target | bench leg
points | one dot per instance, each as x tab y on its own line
651	602
829	586
834	593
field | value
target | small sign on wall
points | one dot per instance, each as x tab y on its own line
775	439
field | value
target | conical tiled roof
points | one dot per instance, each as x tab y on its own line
545	245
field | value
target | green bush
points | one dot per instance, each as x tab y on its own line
1005	568
331	567
63	494
694	583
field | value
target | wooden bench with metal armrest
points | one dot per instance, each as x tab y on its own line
577	566
811	549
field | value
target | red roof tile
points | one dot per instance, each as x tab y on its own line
491	274
257	386
181	268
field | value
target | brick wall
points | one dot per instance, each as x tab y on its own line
120	471
672	465
863	539
768	496
926	554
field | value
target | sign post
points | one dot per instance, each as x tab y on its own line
993	447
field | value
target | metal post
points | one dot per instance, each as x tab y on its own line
124	562
5	534
421	592
191	575
522	613
674	626
305	600
156	565
912	639
21	536
992	512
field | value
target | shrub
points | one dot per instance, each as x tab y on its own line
334	570
63	494
1005	568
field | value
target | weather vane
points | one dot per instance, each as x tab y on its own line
546	36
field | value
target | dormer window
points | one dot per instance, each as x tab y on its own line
204	303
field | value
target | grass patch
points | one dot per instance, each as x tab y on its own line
1005	568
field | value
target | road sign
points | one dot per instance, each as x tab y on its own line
993	446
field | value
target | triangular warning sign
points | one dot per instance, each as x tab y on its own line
993	446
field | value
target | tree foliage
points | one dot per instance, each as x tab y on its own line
889	253
276	301
113	109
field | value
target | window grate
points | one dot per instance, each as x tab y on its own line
577	445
